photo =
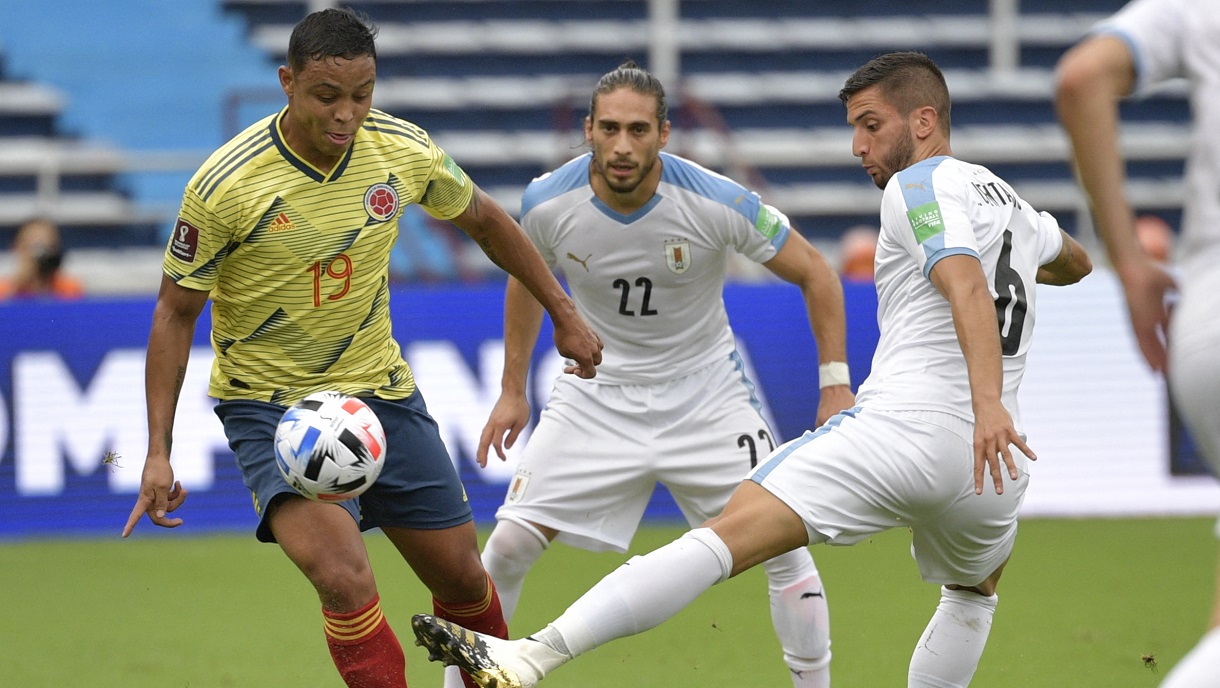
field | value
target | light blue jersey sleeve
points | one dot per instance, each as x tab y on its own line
765	219
571	175
933	218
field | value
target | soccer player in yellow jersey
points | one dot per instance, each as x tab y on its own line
288	229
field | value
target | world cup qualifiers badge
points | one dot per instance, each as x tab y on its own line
381	202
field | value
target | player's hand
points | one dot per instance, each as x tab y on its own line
160	494
994	437
1147	286
576	341
510	415
832	400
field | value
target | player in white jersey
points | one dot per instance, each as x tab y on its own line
958	256
643	239
1145	44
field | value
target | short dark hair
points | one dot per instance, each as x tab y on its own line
335	32
908	80
631	75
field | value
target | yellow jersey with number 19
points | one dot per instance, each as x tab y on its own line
297	261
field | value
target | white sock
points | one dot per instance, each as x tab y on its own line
801	617
643	592
511	550
1200	668
951	645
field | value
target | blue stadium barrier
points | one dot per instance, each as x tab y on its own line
71	389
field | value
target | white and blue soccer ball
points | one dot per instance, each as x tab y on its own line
330	446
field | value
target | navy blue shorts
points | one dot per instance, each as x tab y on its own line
418	486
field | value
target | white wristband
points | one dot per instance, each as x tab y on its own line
833	373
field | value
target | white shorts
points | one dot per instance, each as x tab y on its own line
599	451
866	471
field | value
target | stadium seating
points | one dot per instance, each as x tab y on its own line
503	87
44	172
504	84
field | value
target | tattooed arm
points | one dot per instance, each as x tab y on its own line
169	347
1069	267
505	243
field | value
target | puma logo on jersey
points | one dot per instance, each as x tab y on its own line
583	263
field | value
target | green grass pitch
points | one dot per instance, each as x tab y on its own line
1082	603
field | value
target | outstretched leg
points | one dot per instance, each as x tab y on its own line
639	595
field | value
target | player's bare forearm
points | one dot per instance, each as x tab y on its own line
960	279
169	348
827	319
504	242
1091	79
974	320
522	320
801	264
978	335
1069	267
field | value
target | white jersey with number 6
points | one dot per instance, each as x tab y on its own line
936	208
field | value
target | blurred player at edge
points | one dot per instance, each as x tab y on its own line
957	259
1146	43
288	229
643	239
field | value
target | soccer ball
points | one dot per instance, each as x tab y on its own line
330	446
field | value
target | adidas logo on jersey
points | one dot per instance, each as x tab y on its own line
281	223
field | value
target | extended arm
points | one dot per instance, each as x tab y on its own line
961	281
522	319
1069	267
800	263
502	239
169	347
1091	79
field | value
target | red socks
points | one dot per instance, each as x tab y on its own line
365	650
483	616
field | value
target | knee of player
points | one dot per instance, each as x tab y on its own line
985	589
518	542
342	583
467	583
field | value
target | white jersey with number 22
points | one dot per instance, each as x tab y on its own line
651	283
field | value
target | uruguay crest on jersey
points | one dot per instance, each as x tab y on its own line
677	255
